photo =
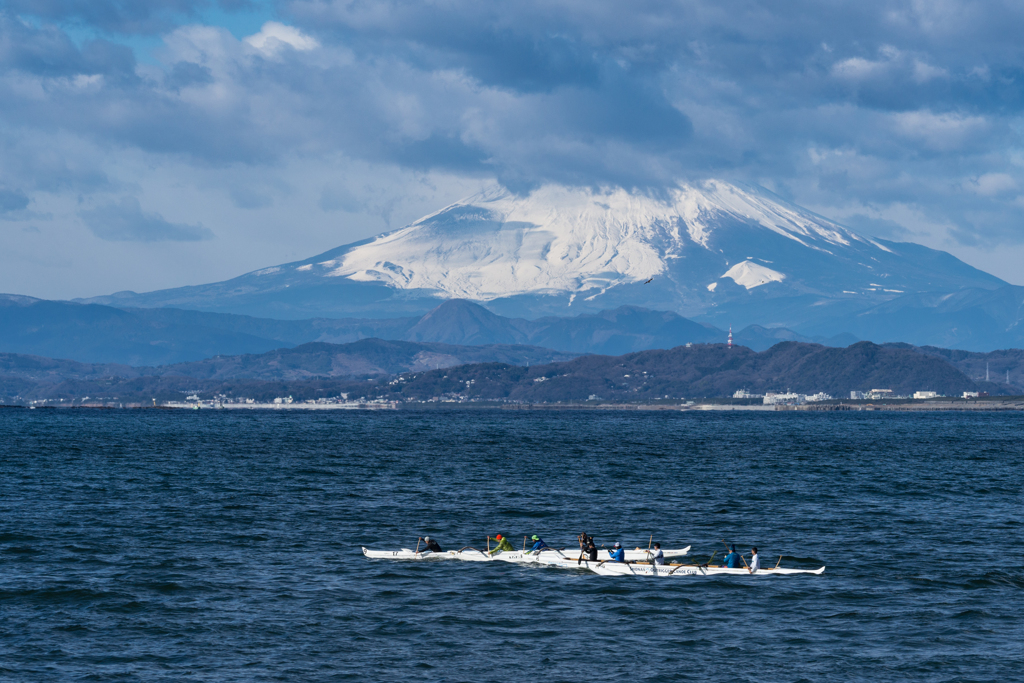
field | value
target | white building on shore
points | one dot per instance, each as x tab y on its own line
787	399
743	393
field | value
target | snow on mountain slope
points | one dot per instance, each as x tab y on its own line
750	274
560	239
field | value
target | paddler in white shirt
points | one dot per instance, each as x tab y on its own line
657	556
755	561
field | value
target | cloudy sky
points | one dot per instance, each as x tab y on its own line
154	144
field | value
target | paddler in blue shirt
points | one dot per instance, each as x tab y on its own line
617	554
733	559
538	544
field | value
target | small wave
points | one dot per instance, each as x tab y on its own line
997	579
21	550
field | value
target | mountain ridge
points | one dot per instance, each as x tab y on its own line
705	371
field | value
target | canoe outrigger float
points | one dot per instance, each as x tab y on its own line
545	556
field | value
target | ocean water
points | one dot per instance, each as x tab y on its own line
217	546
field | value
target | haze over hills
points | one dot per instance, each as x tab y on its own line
972	319
101	334
714	252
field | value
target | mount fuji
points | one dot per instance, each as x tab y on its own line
721	253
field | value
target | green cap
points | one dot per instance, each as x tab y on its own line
535	537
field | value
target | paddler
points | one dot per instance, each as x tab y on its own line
538	544
587	548
432	545
503	545
657	556
617	554
755	560
733	559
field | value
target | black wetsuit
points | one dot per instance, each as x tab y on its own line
590	550
434	547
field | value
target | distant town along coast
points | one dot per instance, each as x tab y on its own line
788	376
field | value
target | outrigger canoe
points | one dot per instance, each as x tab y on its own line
564	559
545	556
663	570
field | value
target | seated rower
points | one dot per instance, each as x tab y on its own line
588	549
432	545
657	556
538	544
733	559
503	545
617	554
755	561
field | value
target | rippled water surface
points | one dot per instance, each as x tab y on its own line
150	545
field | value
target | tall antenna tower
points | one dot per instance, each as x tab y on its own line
986	371
730	336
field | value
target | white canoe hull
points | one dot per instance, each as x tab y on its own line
565	560
553	555
553	558
406	554
545	556
665	570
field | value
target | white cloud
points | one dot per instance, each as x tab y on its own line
274	36
926	72
938	131
992	184
891	61
857	69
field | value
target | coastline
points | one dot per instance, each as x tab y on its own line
995	404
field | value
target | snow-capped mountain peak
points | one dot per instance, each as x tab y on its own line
574	240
